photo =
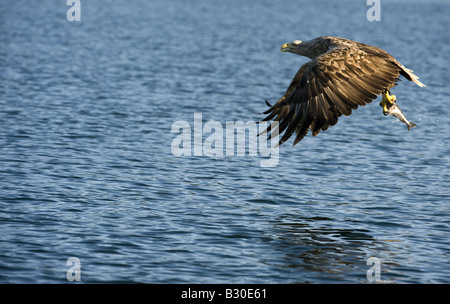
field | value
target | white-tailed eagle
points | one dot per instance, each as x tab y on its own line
342	75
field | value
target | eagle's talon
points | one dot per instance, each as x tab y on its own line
388	99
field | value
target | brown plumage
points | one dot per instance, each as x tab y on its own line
342	75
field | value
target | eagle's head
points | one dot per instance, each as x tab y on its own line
311	48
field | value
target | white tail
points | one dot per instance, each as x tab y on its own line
411	75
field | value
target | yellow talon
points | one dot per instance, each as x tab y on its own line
387	99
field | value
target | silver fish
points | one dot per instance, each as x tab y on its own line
394	110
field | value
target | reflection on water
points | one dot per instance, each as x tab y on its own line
314	245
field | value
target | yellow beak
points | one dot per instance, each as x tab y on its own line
285	47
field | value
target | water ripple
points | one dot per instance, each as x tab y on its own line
87	171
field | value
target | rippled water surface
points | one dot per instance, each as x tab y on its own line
87	170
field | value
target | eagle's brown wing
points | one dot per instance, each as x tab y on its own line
331	85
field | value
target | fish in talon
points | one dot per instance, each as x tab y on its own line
394	110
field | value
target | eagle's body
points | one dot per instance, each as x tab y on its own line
342	75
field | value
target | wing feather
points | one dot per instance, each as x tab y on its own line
331	85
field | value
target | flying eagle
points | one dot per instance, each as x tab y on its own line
342	75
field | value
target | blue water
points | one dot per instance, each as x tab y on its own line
87	171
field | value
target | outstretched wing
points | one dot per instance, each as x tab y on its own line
331	85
